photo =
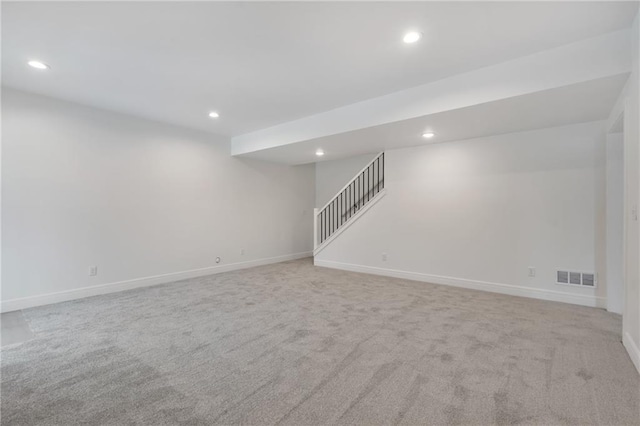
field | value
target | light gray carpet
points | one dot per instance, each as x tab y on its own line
295	344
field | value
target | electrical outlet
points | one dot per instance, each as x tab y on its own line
384	257
217	260
532	271
93	271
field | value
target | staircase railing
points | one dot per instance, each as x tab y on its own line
350	199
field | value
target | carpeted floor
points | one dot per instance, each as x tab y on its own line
296	344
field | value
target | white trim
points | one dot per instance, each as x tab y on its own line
350	221
315	229
351	181
79	293
632	349
513	290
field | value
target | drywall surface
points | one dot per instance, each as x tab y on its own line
331	176
631	317
614	223
84	187
480	212
627	107
573	63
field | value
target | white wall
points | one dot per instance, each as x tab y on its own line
614	223
82	187
332	176
478	213
631	317
628	107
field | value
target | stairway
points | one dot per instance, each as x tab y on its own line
356	197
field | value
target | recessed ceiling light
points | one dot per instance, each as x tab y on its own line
428	135
412	37
319	153
39	65
214	114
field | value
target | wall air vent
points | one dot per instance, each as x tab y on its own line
563	277
589	280
574	278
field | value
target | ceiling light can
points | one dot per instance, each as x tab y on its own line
38	65
412	37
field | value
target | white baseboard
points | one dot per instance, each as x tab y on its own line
79	293
513	290
632	349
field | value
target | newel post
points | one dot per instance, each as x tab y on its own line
315	228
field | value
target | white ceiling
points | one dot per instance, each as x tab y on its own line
260	64
576	103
